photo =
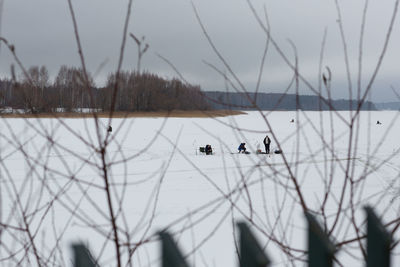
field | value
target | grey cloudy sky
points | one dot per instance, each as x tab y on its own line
42	33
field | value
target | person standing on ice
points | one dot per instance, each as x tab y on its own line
267	142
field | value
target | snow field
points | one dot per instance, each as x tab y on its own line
159	179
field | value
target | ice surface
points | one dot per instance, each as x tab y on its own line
52	170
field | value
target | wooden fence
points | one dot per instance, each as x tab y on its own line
321	249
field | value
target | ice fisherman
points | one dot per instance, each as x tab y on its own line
208	150
267	143
109	129
242	148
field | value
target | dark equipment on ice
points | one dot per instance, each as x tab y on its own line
109	129
378	122
206	149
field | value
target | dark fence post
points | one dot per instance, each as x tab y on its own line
171	255
251	253
82	256
320	248
378	241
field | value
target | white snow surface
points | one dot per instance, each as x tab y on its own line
158	178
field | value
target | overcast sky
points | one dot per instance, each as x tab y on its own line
42	33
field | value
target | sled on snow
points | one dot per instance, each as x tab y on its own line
237	153
276	151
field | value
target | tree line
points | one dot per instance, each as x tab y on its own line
281	101
72	90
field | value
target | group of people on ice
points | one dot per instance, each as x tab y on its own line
266	141
242	148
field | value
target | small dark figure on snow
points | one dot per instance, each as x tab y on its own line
267	142
378	122
109	129
242	148
292	120
208	150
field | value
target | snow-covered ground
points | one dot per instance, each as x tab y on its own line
50	169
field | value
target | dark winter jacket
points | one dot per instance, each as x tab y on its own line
267	141
242	147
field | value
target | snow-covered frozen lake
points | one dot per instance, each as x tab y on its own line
52	182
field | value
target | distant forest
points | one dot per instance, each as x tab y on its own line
388	106
276	101
71	91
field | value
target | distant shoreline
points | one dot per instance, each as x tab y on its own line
280	101
119	114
